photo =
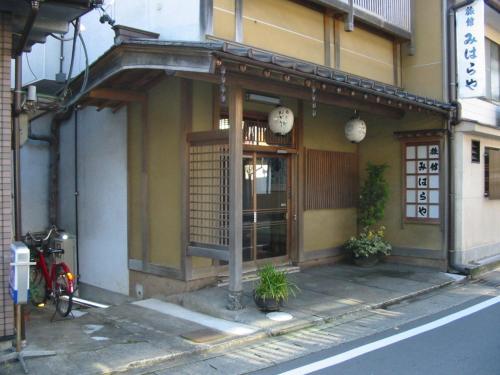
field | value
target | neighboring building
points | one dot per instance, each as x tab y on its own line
476	136
170	196
22	24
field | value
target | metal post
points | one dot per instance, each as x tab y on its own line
235	197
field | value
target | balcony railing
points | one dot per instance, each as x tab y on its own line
395	12
391	15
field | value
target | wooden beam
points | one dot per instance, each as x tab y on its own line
207	137
186	127
328	36
300	181
336	38
235	197
278	88
145	217
117	95
215	107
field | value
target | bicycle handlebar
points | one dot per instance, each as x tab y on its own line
40	240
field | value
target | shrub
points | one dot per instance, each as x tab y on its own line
274	284
373	196
369	242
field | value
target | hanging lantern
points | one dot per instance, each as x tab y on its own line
280	120
355	129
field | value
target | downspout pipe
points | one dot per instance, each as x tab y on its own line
17	147
451	85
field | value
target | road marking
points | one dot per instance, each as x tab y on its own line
202	319
353	353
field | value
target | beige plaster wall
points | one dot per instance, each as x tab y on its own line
478	234
164	175
327	228
422	73
380	146
367	54
224	19
284	27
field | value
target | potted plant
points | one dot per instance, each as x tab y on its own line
273	288
367	248
369	245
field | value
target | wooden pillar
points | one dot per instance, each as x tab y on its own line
145	184
186	127
235	197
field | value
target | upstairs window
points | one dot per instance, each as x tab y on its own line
492	70
476	152
492	173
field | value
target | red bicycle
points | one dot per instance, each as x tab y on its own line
58	284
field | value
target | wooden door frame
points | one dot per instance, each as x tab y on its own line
290	206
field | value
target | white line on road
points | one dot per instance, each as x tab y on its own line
342	357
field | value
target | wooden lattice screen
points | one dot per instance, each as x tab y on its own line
331	179
209	194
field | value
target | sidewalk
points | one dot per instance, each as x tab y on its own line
147	332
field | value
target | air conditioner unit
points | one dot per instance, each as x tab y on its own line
69	256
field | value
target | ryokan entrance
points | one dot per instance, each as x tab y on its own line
266	206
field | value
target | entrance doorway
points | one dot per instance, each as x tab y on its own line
266	206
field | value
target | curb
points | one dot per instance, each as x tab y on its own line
300	325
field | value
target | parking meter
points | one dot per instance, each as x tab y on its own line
19	277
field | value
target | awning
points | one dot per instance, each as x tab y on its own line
122	67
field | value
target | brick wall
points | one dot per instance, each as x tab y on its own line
6	307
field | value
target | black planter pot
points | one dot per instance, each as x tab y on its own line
268	304
369	261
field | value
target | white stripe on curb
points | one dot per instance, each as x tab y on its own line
342	357
202	319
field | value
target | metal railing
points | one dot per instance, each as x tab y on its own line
394	12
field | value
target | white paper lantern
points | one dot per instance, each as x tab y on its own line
355	130
280	120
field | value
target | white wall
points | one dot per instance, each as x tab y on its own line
102	202
478	217
35	157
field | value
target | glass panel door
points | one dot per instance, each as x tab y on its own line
265	206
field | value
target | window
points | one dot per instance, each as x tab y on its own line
492	173
476	152
421	181
492	70
331	179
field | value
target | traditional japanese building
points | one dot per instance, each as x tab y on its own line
178	179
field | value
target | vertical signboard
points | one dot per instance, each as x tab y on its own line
471	69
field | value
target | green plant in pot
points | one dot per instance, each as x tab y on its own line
369	245
273	288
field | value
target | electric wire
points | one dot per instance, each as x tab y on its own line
76	25
29	67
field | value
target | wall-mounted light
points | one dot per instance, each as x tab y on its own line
355	129
31	101
259	98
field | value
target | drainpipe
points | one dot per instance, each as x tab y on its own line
75	148
451	84
17	147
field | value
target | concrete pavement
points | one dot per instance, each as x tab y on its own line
131	336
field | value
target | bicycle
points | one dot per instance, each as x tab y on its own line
59	283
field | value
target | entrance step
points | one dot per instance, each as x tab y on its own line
250	274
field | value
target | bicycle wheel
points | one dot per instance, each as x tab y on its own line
37	290
62	295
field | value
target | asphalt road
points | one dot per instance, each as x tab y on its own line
467	345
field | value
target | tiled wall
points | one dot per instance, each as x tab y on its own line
6	307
